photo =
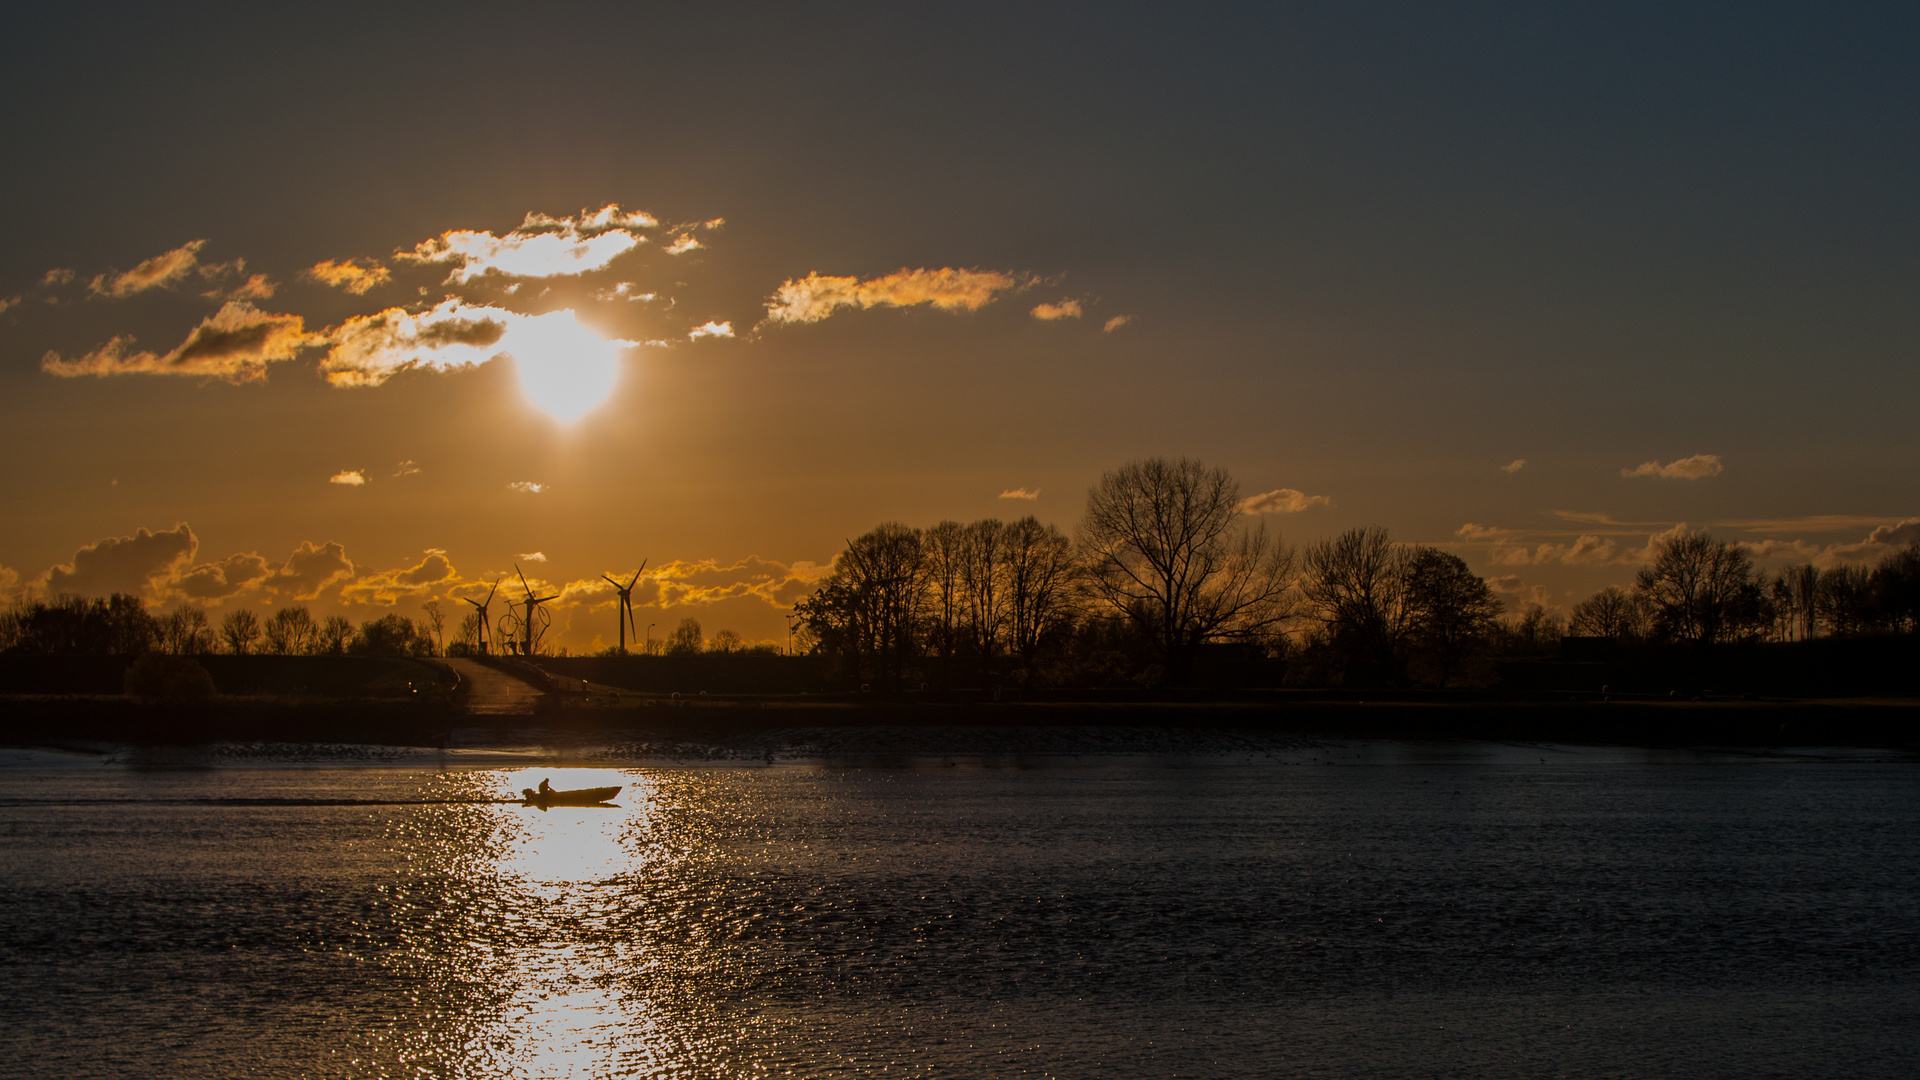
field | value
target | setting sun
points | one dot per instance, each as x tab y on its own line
565	369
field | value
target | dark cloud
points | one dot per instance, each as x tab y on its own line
310	569
128	564
220	580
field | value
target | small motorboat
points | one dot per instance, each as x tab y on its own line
546	796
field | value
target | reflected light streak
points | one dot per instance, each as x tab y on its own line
564	1014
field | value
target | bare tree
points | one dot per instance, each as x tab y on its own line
1358	583
239	630
185	631
1896	589
291	631
434	624
1169	550
1613	612
333	636
1040	576
727	641
1700	590
982	588
1845	601
944	548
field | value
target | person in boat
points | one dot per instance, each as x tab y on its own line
546	788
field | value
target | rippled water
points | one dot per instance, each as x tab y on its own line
1589	916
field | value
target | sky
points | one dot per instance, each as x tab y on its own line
356	306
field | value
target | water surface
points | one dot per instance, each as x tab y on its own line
1428	912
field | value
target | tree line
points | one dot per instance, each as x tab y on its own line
1702	591
1165	570
121	625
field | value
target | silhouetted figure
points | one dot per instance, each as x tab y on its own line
546	788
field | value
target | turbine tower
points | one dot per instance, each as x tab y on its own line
625	616
530	629
484	630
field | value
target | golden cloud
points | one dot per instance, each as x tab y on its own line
370	349
1514	466
256	287
1020	493
1065	309
163	269
1116	323
356	276
388	587
235	345
1282	501
348	478
710	329
541	247
706	581
816	296
1697	467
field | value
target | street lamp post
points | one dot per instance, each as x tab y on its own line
790	619
650	627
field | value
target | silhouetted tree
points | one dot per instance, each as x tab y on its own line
1167	549
239	630
390	635
466	640
333	636
727	641
1845	601
1701	590
1896	589
118	625
291	631
944	549
1039	587
185	631
1613	612
868	614
982	577
1450	609
1358	584
686	639
1534	630
434	623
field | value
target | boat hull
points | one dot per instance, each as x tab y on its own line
593	796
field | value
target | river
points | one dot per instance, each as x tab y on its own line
1408	911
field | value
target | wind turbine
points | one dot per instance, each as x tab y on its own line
527	629
480	608
625	617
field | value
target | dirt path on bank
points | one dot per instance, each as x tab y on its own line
491	692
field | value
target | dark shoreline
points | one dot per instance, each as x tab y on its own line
1875	723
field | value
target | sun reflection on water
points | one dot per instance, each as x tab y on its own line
543	894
